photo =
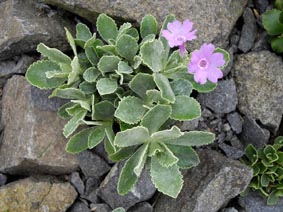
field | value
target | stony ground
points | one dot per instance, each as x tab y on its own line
36	174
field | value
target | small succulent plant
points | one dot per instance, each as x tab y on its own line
273	24
127	87
267	165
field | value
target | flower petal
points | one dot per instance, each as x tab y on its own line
200	77
214	74
169	37
207	50
217	59
190	36
187	26
174	26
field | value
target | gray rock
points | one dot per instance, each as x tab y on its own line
142	191
261	42
223	99
188	125
3	179
222	14
229	210
37	194
235	122
100	150
77	182
24	26
208	186
79	207
253	134
100	208
259	81
261	5
91	184
228	68
91	196
231	152
249	31
92	165
253	202
31	144
141	207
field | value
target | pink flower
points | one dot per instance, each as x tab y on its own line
178	33
205	64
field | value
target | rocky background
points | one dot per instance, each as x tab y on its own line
37	175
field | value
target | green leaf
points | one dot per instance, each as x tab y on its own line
62	113
79	142
181	87
153	97
127	47
106	27
226	56
166	158
95	137
107	49
134	136
277	44
53	54
83	32
108	63
91	55
272	198
154	148
205	88
71	41
156	117
124	28
69	93
122	153
83	103
36	75
91	74
188	157
87	88
57	74
278	4
131	170
106	86
74	122
120	209
271	22
170	134
76	70
185	108
153	55
141	83
264	180
124	68
109	139
251	154
130	110
148	26
168	181
163	84
134	33
192	138
103	110
168	19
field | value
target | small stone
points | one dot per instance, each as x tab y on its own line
235	122
100	208
79	207
249	31
100	151
231	152
253	202
141	207
252	133
3	179
221	100
229	210
226	127
142	191
261	5
261	43
77	182
91	196
208	186
92	165
188	125
91	184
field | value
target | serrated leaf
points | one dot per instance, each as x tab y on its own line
134	136
153	97
91	55
73	123
170	134
71	41
57	74
272	198
185	108
53	54
141	83
96	137
205	88
181	87
109	140
271	22
137	62
131	170
122	153
91	74
156	117
87	88
36	75
127	47
148	26
150	37
106	27
154	148
166	158
188	157
153	55
169	180
123	29
73	109
83	32
69	93
192	138
168	19
251	154
76	70
133	32
103	110
124	68
226	56
79	142
119	210
108	63
130	110
277	44
62	113
106	86
164	86
83	103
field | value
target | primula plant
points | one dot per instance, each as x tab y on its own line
267	164
127	87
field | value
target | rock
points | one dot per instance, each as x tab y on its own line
91	184
3	179
261	42
31	144
100	208
253	202
208	186
91	196
77	182
228	68
142	191
37	194
141	207
79	207
259	81
253	134
249	31
223	99
235	122
222	14
188	125
231	152
229	210
92	165
100	151
261	5
24	26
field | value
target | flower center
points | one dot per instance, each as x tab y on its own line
203	63
181	38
